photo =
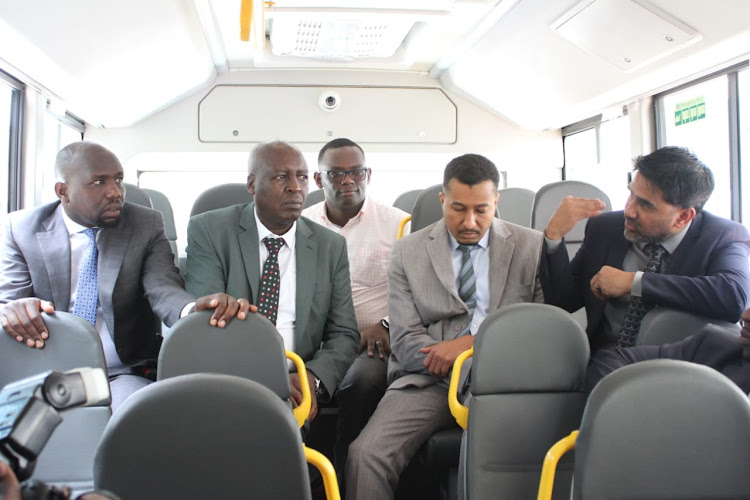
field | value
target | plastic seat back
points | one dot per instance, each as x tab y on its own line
427	208
162	204
314	197
405	201
136	195
68	456
203	436
549	197
527	384
663	325
514	205
664	429
249	348
223	195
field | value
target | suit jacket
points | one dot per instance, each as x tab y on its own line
707	274
423	304
223	256
715	346
136	271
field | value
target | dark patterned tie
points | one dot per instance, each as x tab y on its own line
270	281
467	283
87	291
637	309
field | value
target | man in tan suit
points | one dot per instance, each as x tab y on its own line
443	281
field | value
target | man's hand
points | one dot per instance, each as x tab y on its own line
570	211
375	338
225	308
297	393
440	356
611	282
9	487
23	321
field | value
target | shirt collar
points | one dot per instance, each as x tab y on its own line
72	226
263	231
484	243
365	208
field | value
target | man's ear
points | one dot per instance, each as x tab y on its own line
318	179
251	184
442	198
61	190
684	215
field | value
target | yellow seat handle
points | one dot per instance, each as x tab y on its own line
303	410
550	464
459	411
326	469
401	227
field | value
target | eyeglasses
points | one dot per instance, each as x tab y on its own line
338	176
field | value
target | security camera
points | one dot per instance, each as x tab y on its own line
329	101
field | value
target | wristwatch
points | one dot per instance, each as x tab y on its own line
385	324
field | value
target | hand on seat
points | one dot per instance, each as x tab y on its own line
23	321
297	393
225	308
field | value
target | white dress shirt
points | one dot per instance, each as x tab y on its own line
480	259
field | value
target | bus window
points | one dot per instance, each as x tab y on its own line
744	127
697	117
59	131
6	97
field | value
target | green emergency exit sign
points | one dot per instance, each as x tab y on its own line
689	111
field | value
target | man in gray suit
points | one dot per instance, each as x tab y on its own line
228	250
44	250
443	281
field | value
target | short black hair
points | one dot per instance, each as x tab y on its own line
341	142
471	169
684	180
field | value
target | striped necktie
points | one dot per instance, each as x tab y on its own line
467	283
87	292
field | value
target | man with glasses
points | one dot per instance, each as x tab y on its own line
370	228
294	271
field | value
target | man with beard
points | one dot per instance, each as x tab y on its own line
663	250
102	259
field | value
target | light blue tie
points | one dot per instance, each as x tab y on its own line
87	293
467	283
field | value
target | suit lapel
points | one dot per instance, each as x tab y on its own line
248	241
618	248
501	254
113	243
54	244
306	255
439	252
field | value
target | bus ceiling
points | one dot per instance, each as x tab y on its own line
538	64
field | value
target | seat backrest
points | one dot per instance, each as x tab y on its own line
314	197
427	208
134	194
223	195
527	386
203	436
68	456
405	201
549	197
251	348
664	429
663	325
162	204
514	205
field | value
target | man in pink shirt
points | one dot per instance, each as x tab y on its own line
370	228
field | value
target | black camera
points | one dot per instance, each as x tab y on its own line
29	413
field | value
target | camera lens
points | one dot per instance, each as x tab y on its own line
330	101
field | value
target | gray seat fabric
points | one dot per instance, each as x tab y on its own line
549	197
249	348
514	205
663	325
134	194
203	436
68	457
162	204
664	429
405	201
427	208
527	384
223	195
314	197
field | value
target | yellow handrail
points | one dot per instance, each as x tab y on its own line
401	227
303	409
326	469
459	411
547	481
246	19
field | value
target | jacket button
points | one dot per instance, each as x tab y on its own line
457	328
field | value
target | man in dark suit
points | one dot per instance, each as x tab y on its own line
442	282
715	346
45	247
228	251
694	261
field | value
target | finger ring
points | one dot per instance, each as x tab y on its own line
599	287
379	343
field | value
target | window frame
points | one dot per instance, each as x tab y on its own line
15	138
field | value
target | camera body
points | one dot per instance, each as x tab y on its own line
329	101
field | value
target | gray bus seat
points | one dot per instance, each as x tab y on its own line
314	197
223	195
405	201
136	195
664	325
515	204
162	204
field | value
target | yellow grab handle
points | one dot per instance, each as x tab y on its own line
303	410
459	411
550	464
401	227
326	469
